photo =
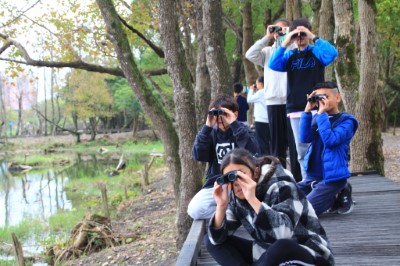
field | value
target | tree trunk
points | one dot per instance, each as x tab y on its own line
203	81
293	9
217	63
19	123
316	7
367	153
151	105
326	31
249	68
183	96
346	69
53	111
93	128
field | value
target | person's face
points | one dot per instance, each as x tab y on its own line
245	170
283	26
332	99
222	124
259	85
301	41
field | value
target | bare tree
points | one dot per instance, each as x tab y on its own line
359	84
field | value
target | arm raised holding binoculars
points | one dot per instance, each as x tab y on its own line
248	188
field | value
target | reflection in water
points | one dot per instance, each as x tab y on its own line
41	194
30	195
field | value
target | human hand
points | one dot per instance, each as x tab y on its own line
324	105
247	184
211	120
228	116
221	196
310	105
305	30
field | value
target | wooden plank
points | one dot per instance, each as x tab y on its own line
190	249
369	235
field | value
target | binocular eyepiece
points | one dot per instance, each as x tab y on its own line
274	28
216	112
316	98
227	178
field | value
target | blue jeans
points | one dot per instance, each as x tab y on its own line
321	195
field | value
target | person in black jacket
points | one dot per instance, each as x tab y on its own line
221	133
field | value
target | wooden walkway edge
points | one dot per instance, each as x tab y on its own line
368	236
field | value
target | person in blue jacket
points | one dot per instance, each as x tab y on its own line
221	133
305	67
326	160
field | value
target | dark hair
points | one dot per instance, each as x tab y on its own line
267	22
260	79
225	101
300	22
287	22
325	85
237	87
244	157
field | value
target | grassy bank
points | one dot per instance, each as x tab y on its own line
82	186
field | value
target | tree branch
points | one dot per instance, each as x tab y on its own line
393	84
62	128
279	11
155	48
156	72
79	64
232	25
21	14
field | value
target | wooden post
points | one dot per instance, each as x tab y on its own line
19	255
104	198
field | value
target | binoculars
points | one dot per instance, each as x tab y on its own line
316	98
227	178
274	28
302	35
216	112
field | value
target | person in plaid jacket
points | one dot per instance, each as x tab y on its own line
277	215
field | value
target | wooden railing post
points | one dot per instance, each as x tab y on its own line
19	255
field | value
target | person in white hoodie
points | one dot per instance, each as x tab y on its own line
275	87
256	95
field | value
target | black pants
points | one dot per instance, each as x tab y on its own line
238	251
294	162
278	128
263	138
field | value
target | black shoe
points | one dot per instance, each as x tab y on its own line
335	207
346	203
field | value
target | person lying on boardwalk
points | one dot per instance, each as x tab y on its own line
269	205
326	160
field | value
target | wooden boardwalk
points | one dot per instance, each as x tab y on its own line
370	235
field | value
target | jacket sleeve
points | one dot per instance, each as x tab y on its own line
325	52
279	59
338	135
256	54
228	227
245	138
257	97
202	149
305	132
279	220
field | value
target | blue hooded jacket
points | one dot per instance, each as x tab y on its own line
336	139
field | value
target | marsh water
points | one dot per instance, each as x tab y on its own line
37	195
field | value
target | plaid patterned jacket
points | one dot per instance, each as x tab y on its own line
285	213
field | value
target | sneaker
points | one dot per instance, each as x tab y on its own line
335	208
346	203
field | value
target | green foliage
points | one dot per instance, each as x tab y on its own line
88	95
29	227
